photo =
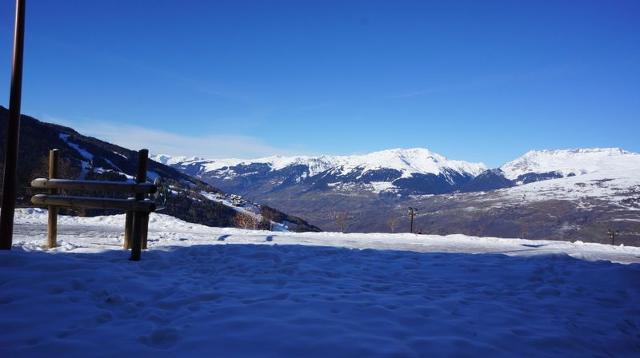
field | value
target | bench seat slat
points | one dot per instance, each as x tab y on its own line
92	202
67	184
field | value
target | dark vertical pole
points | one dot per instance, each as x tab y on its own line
52	231
612	235
138	217
411	215
13	131
412	221
145	230
128	230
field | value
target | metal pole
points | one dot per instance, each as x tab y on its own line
412	221
52	232
13	131
411	214
138	217
612	235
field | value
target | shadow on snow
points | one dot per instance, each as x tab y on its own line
289	300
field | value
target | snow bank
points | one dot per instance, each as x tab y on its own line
229	292
169	231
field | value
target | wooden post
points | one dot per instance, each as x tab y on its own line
52	229
136	236
145	230
13	133
128	230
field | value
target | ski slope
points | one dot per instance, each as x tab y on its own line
230	292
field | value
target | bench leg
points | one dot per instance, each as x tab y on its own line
145	230
136	237
128	230
52	228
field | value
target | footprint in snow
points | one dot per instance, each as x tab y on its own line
161	338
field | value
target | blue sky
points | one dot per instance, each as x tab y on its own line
473	80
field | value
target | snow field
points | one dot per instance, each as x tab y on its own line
230	292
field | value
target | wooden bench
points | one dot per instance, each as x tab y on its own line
137	208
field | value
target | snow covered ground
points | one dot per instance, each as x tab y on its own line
231	292
621	189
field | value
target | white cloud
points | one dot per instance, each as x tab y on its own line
164	142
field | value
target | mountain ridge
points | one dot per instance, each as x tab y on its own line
551	196
420	160
411	170
281	161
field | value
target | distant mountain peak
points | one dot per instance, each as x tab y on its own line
167	159
567	162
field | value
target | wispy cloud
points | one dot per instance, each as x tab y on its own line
164	142
488	81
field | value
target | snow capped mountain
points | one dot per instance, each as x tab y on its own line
403	171
570	162
586	190
405	161
168	159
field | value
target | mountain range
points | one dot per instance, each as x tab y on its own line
415	171
571	194
562	194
